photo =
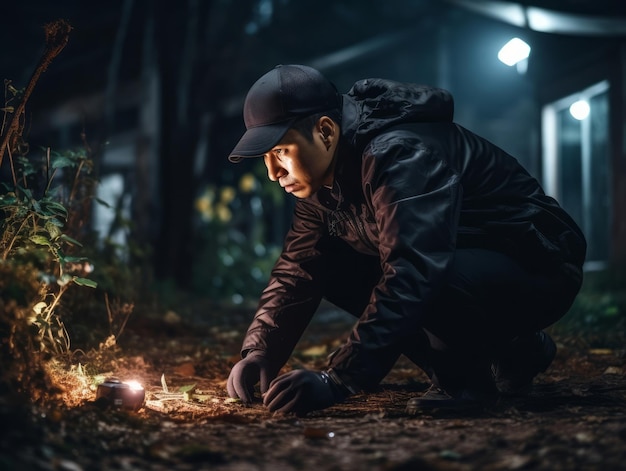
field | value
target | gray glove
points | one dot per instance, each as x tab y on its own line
303	391
254	368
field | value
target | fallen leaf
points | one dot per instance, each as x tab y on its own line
171	318
613	370
584	437
601	351
316	351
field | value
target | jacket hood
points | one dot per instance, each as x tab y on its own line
373	105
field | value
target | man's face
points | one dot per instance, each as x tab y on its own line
300	166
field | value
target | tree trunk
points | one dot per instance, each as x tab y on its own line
178	140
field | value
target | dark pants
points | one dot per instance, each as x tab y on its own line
488	301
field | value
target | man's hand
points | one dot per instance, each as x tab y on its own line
302	391
254	368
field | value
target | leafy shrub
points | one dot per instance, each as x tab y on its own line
234	259
34	219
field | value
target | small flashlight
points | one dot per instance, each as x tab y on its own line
127	395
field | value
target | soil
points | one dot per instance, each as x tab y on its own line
575	418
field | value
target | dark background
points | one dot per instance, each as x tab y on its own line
173	75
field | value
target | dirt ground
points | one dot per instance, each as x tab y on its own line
574	420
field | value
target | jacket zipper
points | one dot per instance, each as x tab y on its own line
360	231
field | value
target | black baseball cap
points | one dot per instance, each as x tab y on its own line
276	101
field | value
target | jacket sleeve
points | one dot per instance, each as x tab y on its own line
293	292
415	197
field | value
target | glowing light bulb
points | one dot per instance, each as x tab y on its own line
514	51
580	109
134	385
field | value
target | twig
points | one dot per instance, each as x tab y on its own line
126	311
57	36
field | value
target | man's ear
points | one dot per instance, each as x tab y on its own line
327	129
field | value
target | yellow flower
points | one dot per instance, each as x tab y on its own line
204	204
227	194
223	213
247	183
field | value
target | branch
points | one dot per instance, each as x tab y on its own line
57	35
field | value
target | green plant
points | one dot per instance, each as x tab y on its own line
35	216
46	203
234	259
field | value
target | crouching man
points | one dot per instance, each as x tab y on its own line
441	244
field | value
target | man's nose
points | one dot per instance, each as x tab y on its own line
273	168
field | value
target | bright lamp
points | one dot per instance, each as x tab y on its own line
514	51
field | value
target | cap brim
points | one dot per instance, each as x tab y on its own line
258	141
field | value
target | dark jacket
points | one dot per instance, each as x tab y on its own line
410	187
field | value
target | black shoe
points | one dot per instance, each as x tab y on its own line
436	399
526	358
